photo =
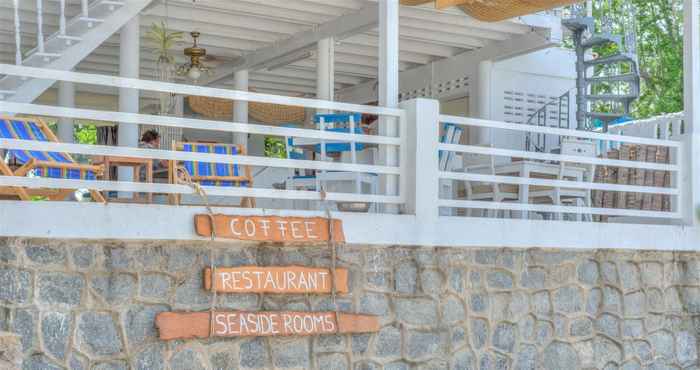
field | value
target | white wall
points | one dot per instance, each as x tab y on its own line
538	76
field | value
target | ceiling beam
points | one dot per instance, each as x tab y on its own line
341	27
450	68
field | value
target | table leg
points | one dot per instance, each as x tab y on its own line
149	180
524	193
107	175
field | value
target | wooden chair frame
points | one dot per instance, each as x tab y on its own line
51	194
246	202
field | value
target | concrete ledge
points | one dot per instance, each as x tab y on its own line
71	220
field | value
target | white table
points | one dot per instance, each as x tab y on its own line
526	169
355	178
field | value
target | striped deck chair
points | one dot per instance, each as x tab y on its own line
212	174
41	163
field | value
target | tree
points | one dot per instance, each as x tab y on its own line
659	27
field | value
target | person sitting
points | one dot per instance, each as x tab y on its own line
151	140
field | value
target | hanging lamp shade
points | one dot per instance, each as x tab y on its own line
495	10
217	108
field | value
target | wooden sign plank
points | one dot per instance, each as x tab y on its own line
278	280
269	228
187	325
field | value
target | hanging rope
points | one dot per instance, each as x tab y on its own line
18	36
183	177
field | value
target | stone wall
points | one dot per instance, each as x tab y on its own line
91	305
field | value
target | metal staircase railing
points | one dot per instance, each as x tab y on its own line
80	31
559	117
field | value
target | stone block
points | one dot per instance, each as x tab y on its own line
290	353
83	256
533	278
431	282
463	360
406	276
360	343
98	334
115	288
379	280
7	254
334	361
608	325
139	324
416	311
456	277
452	310
190	294
388	342
663	344
117	258
374	304
56	328
253	354
504	337
78	362
329	343
25	324
39	362
479	329
499	280
582	327
608	272
635	304
559	355
652	273
479	302
16	285
633	328
568	300
629	276
526	358
155	286
588	272
10	351
221	361
45	255
606	351
61	288
111	365
421	346
186	359
686	348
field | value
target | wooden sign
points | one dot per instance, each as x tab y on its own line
187	325
280	280
269	228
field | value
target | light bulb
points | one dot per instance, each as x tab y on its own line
194	73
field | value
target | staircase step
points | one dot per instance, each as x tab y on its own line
629	77
91	21
615	58
605	116
611	97
579	23
601	39
48	55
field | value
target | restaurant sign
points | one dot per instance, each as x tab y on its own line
188	325
269	228
277	280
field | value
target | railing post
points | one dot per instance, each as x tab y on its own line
422	159
691	92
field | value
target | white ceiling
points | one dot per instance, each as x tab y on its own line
231	28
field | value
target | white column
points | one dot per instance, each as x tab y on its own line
388	89
240	108
481	101
325	71
129	47
691	69
66	98
422	131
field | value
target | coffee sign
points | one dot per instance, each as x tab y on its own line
180	325
277	280
269	228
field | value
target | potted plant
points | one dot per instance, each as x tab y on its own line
162	40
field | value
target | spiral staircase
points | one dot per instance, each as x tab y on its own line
614	82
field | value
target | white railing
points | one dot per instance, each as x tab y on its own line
552	177
390	173
666	127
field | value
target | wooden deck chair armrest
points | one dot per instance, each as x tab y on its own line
25	167
72	166
221	178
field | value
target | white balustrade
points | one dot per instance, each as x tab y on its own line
18	35
40	26
62	18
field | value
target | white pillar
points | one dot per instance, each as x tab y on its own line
691	69
388	89
129	58
325	71
480	101
240	108
66	98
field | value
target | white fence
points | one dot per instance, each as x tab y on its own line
553	184
389	146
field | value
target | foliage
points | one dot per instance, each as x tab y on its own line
85	134
659	27
162	40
